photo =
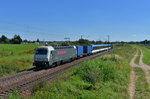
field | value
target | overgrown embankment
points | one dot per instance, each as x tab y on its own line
16	57
105	77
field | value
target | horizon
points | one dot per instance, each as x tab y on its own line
71	40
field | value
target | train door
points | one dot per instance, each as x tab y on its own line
50	58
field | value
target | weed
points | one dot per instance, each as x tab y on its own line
15	94
38	86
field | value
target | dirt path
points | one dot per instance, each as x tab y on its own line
132	84
132	77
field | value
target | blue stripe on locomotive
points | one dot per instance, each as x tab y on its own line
87	49
79	50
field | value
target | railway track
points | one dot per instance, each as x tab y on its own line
26	79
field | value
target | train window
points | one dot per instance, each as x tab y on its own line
41	51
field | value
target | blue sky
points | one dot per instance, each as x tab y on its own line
123	20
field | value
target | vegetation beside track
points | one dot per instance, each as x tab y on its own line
16	57
105	77
142	87
146	52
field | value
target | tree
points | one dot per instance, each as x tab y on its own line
93	42
37	40
84	42
4	39
17	39
64	44
99	42
25	41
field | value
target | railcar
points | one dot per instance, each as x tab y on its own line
80	51
100	50
102	45
87	49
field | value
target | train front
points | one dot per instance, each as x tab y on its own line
42	56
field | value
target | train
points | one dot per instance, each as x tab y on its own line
48	56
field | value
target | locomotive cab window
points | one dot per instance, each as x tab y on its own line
41	51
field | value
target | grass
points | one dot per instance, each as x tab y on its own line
13	57
105	78
16	57
142	87
146	52
138	58
13	49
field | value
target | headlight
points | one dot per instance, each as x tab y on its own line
36	59
45	59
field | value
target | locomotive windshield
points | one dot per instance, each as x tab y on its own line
41	51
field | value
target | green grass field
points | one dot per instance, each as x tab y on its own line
105	78
13	49
146	52
16	57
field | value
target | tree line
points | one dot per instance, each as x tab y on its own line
15	40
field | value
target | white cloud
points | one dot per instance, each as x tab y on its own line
134	35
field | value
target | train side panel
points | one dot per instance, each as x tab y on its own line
80	51
87	49
63	55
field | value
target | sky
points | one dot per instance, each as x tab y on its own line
53	20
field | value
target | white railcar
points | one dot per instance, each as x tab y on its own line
100	50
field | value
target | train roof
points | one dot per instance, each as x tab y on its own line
64	47
58	47
101	45
48	47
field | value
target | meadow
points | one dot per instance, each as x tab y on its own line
13	49
16	57
105	77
